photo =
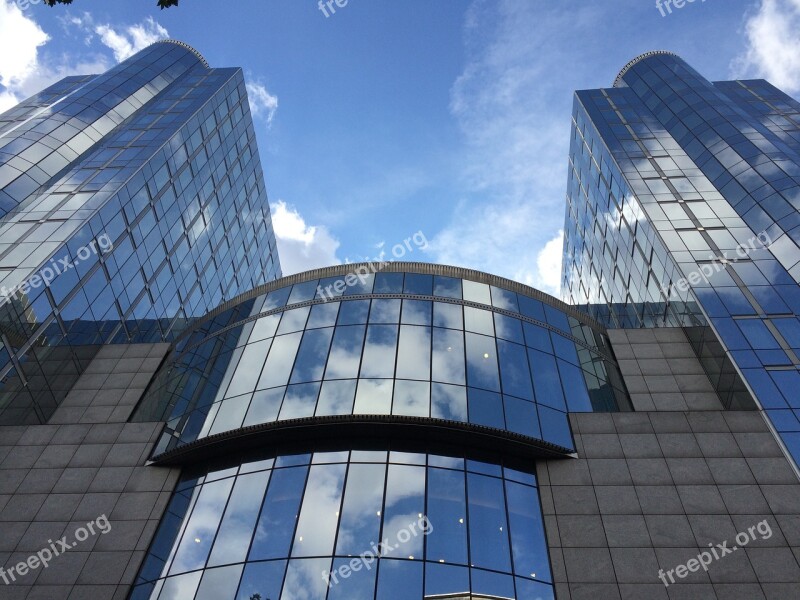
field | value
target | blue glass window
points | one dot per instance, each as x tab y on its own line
482	368
275	529
488	529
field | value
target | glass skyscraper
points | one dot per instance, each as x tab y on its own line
128	203
682	210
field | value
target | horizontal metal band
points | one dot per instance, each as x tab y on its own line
345	429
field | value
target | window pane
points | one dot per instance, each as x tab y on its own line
230	414
359	281
508	328
555	426
265	327
416	312
374	397
219	583
276	524
447	287
388	283
361	511
294	320
488	530
354	312
400	580
565	349
280	360
236	529
336	397
379	351
485	408
304	579
478	321
527	532
538	338
482	369
345	355
528	589
323	315
516	375
262	578
448	315
359	585
385	311
441	580
411	398
300	401
574	387
449	402
264	406
405	506
477	292
546	381
249	368
447	511
448	356
178	588
504	299
418	284
311	357
201	527
494	585
521	416
319	517
414	353
302	292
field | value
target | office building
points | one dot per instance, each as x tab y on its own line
128	203
410	431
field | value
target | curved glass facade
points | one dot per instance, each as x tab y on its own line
382	499
415	344
350	525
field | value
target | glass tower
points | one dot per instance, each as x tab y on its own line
332	411
682	210
128	203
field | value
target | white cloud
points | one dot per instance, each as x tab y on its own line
20	39
262	103
548	263
26	67
301	246
512	108
127	41
499	239
772	32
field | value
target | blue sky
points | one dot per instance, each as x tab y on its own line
387	118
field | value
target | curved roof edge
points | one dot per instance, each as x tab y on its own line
637	60
199	56
402	267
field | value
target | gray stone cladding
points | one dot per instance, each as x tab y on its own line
86	463
650	490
